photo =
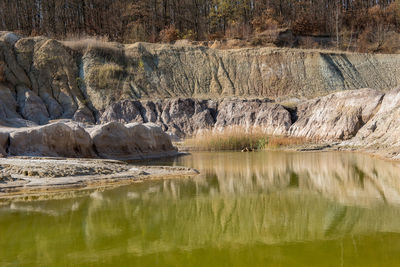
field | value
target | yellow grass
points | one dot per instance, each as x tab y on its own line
91	43
238	138
106	74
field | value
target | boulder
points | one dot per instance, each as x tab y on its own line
150	137
337	116
115	140
14	73
10	37
53	140
272	118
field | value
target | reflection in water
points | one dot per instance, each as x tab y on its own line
268	207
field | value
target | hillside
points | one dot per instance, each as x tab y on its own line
81	79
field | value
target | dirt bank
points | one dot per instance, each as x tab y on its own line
31	178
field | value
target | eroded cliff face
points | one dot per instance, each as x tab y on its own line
48	79
382	131
184	89
184	117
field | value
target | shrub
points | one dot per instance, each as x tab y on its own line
169	34
308	43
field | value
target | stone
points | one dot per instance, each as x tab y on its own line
52	140
115	140
10	37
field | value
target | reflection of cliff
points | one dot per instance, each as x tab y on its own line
189	215
265	198
344	177
243	200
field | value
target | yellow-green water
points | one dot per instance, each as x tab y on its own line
246	209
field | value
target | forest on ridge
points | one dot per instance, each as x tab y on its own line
359	25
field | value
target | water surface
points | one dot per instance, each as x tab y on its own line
246	209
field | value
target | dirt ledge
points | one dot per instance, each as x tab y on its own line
31	178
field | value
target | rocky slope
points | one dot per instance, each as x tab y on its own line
43	79
362	119
115	85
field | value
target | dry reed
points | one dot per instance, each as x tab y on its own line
239	138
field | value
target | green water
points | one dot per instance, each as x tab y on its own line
246	209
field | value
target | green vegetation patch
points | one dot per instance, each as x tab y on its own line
106	75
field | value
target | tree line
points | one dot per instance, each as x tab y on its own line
166	20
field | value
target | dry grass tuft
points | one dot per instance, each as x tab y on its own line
92	43
238	138
106	75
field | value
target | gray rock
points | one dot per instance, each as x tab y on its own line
31	106
10	37
125	111
8	105
84	115
186	116
3	142
269	117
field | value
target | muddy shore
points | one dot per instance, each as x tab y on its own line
24	178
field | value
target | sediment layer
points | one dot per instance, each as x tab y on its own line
96	83
44	79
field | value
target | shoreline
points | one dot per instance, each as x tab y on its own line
41	178
25	179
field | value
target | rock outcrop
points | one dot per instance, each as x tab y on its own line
272	118
74	77
131	141
41	74
183	117
124	111
96	83
337	116
53	140
382	132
